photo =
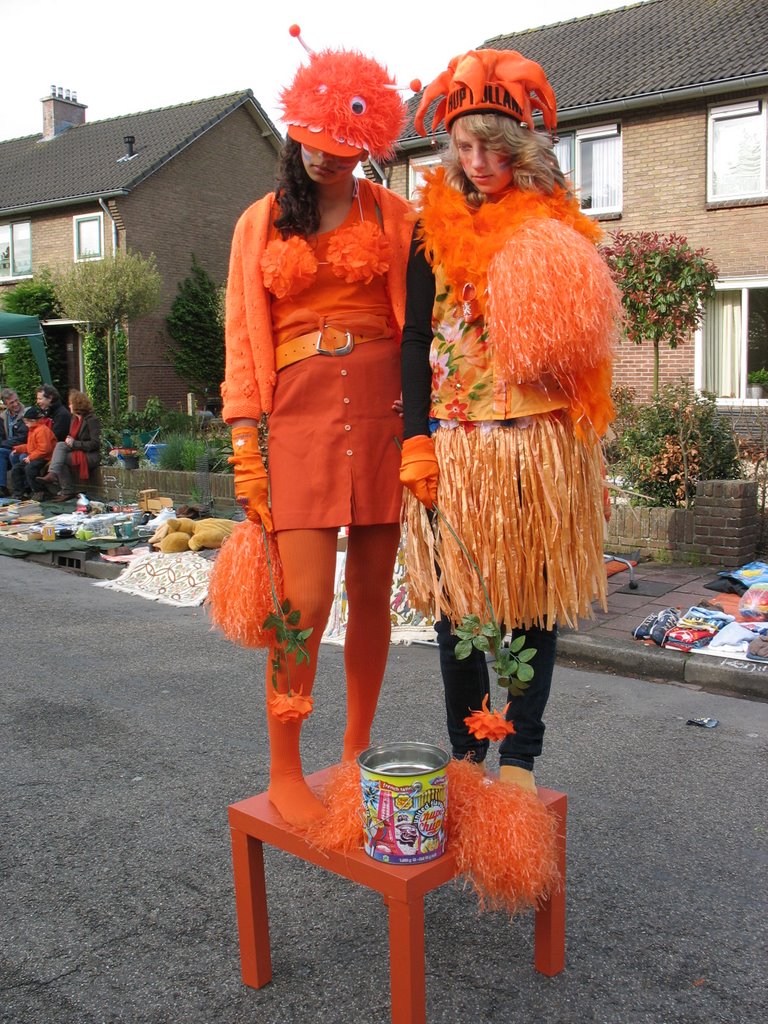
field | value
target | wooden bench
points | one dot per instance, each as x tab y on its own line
255	821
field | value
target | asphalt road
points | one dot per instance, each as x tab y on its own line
126	728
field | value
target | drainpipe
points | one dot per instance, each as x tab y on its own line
105	208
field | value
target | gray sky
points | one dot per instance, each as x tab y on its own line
121	57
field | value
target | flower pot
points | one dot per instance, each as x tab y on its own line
128	461
754	391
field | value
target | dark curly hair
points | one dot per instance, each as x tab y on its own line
296	195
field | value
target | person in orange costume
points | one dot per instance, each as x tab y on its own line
511	322
36	452
314	311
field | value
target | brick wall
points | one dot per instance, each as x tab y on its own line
721	529
190	206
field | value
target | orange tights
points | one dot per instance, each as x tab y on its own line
309	566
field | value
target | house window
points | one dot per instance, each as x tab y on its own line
734	337
89	237
16	249
737	152
416	169
591	160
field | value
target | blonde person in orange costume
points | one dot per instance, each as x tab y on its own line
510	326
315	304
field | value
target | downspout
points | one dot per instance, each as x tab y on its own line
106	210
111	356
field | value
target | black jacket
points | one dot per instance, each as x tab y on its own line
60	417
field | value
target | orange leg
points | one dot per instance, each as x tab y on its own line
309	566
370	564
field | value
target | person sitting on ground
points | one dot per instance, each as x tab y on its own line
79	452
49	400
12	432
35	453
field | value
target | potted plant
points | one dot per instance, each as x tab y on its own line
757	382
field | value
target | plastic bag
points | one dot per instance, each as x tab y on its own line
754	602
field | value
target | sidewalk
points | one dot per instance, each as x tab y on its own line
606	641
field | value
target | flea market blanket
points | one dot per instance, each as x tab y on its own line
179	579
408	625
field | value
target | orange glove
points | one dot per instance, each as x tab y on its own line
251	485
419	470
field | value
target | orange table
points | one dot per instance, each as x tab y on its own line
255	821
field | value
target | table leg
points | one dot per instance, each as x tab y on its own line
251	903
406	961
549	928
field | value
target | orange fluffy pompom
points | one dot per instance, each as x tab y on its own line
553	307
239	592
342	828
503	838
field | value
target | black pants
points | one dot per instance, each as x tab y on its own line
24	475
466	683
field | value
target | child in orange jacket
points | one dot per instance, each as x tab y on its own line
36	453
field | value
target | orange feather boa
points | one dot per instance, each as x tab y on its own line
550	303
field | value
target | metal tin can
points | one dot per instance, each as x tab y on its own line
405	794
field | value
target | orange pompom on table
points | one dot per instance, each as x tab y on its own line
255	821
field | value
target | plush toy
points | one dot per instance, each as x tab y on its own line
191	534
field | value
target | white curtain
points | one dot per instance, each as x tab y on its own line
722	345
606	171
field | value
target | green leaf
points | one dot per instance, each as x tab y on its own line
517	643
463	649
481	643
527	654
525	673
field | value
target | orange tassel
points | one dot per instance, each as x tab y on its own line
239	592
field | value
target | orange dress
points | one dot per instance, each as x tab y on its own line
333	448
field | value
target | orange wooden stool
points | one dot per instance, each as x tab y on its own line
255	821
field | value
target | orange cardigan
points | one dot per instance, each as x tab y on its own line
250	375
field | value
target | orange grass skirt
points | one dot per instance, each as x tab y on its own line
527	503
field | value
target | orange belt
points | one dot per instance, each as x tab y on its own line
329	341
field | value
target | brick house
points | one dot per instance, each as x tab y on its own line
662	127
171	181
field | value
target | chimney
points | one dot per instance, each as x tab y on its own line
61	111
129	141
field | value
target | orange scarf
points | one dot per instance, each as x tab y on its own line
78	459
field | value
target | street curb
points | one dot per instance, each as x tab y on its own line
723	675
627	658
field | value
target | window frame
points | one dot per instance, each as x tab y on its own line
732	112
417	164
733	284
592	134
76	221
13	273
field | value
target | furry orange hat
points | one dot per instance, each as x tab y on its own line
489	82
343	103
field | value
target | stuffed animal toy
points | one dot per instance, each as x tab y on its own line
191	534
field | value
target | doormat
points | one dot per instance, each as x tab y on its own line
646	588
179	578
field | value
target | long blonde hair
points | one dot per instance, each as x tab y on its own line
535	166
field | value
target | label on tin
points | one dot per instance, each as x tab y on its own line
404	816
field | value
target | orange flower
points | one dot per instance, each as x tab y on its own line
290	707
359	253
489	725
288	266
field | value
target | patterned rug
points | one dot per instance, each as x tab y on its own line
179	579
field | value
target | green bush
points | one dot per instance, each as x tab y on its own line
661	449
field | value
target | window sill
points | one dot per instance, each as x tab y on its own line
17	278
735	204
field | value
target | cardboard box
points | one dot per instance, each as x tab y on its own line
150	501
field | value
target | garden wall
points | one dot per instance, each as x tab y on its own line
721	529
113	482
